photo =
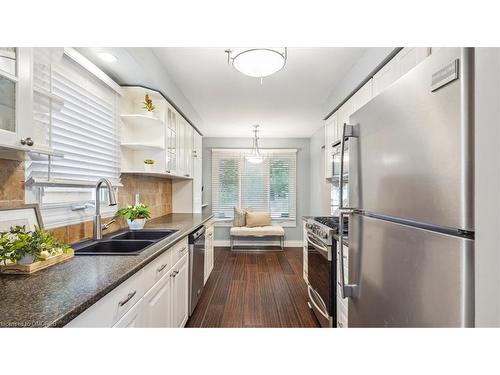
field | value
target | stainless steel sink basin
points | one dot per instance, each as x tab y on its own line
151	235
112	247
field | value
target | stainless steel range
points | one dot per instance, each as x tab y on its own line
321	267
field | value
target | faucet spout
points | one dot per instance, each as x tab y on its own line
111	202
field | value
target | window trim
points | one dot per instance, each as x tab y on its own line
228	222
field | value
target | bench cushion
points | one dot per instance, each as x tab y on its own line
268	230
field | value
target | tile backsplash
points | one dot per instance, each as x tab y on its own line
154	192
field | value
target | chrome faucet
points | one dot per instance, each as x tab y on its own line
98	227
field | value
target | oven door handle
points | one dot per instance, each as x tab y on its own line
323	250
322	310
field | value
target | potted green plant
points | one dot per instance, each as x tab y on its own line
148	165
136	215
19	246
148	105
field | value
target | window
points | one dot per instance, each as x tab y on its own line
268	186
78	114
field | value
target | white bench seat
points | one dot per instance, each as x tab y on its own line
265	231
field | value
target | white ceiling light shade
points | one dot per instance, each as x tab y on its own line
258	62
255	157
108	57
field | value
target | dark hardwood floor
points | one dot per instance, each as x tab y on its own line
255	289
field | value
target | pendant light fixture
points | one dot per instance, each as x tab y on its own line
255	157
257	62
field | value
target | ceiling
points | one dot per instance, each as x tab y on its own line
227	103
287	104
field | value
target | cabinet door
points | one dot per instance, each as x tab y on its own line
385	77
188	149
158	304
16	101
410	57
180	293
181	145
171	141
134	318
209	252
330	137
197	173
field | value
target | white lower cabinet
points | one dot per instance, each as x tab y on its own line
157	296
134	318
180	293
209	250
157	304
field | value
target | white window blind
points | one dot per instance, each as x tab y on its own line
76	114
268	186
85	129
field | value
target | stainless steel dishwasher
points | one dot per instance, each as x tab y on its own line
196	266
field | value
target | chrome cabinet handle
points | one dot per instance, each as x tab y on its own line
161	268
340	325
174	273
129	297
27	141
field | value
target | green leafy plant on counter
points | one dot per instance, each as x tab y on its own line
148	104
17	243
149	161
138	211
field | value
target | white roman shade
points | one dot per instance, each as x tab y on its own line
268	186
81	111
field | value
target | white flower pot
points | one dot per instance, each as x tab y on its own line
149	113
26	259
148	167
136	224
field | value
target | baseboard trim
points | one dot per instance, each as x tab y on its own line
226	243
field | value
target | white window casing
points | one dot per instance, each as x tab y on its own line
268	186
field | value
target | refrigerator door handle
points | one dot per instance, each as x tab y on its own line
348	290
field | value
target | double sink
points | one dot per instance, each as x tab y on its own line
131	242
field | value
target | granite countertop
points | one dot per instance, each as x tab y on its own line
56	295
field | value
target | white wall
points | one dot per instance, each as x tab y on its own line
487	187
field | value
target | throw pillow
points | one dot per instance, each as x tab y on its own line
258	219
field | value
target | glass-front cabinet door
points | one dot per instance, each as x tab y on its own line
171	141
8	95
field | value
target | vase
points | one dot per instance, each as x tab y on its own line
148	167
136	224
26	259
149	113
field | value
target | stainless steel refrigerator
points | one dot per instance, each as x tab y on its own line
411	186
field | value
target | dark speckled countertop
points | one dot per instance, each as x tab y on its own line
54	296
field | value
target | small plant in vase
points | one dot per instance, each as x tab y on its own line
148	105
148	165
136	215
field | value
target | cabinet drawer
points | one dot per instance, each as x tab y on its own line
179	250
159	267
110	308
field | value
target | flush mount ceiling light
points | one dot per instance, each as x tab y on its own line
106	56
255	157
257	62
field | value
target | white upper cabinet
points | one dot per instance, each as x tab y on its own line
25	107
161	135
399	65
331	127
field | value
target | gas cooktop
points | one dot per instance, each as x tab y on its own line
332	222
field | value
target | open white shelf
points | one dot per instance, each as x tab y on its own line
141	121
143	146
157	174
